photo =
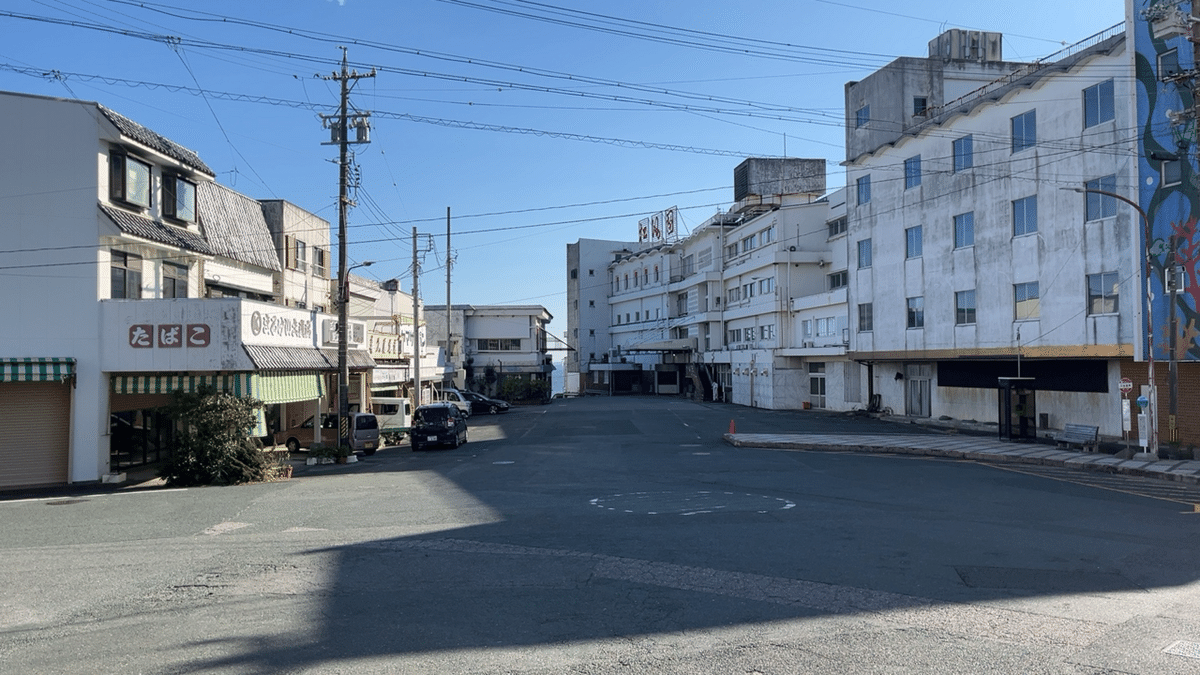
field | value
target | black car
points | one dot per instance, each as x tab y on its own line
438	424
483	404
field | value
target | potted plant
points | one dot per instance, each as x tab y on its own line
319	453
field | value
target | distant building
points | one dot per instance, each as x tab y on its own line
494	347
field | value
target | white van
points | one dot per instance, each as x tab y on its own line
395	417
455	397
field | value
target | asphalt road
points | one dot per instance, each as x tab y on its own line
603	536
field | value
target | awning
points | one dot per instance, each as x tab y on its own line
36	369
305	358
288	387
238	384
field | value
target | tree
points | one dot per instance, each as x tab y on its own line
214	446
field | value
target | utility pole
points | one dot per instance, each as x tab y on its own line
416	293
449	314
340	127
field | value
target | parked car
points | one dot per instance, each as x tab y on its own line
439	423
481	403
364	433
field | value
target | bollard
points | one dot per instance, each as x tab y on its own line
732	427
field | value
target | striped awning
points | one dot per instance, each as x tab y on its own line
238	384
36	369
288	387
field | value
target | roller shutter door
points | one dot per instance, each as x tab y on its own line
35	420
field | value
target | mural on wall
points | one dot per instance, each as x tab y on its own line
1169	187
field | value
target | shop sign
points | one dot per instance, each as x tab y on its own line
170	335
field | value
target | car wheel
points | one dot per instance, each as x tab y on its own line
456	442
493	409
293	445
368	451
416	447
464	440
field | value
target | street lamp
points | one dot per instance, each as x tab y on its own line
1152	407
343	361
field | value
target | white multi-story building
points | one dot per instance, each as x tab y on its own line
503	348
972	258
588	287
749	308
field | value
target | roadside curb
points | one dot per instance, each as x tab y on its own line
1183	471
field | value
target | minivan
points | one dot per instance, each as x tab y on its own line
394	415
364	433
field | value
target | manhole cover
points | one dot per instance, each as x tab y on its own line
690	503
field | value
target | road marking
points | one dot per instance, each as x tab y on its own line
222	528
690	503
1184	648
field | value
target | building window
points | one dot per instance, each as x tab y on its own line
637	280
734	295
766	286
731	251
626	282
864	189
1026	301
964	307
749	244
735	335
1103	293
866	317
656	277
1024	215
748	290
175	280
912	172
498	344
964	230
916	312
837	226
689	265
591	303
912	242
864	253
574	274
862	116
320	262
591	332
964	154
750	334
297	253
1024	131
767	332
920	105
1098	104
1098	205
637	316
838	280
126	276
591	273
128	180
766	236
179	198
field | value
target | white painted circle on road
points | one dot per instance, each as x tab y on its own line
690	503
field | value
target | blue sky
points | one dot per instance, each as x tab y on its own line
534	130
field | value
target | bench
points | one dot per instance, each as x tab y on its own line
1085	436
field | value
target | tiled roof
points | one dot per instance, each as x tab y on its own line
234	226
143	227
152	139
267	357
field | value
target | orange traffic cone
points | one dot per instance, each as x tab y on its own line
732	427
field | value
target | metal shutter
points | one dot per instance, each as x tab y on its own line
34	433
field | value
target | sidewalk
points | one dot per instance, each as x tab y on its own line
976	448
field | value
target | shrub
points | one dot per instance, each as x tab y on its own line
215	446
513	389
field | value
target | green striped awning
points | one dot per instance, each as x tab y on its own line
36	369
238	384
288	387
